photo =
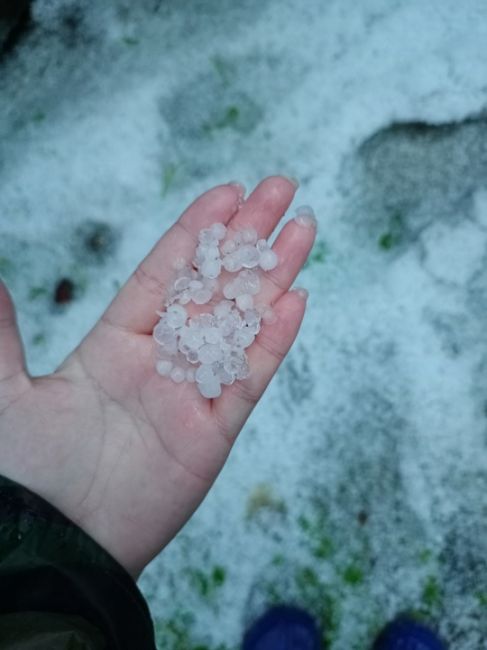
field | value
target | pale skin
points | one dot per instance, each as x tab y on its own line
126	454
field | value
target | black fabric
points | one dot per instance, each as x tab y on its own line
48	564
45	631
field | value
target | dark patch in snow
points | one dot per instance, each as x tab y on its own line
15	23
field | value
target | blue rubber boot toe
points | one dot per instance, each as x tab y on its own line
406	634
283	628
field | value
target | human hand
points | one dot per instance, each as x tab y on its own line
124	453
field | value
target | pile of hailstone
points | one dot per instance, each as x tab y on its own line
209	347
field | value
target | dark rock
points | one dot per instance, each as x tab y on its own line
64	291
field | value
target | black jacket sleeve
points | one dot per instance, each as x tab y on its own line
59	589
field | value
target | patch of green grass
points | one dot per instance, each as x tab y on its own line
353	575
229	119
315	596
38	117
324	548
39	339
307	579
168	176
37	292
206	584
130	41
176	634
6	265
431	595
317	255
394	235
218	575
481	597
321	544
224	69
425	556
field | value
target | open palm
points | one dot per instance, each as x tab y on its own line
126	454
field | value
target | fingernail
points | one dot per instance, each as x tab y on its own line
239	186
293	180
301	292
305	216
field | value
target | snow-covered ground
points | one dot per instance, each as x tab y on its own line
358	487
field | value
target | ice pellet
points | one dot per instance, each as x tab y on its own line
204	374
178	374
248	256
244	301
218	230
249	235
228	247
164	368
232	263
210	390
209	348
176	316
211	268
268	260
202	296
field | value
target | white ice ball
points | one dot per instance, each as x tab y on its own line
268	260
178	374
211	389
218	230
164	368
244	301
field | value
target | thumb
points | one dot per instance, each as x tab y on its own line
12	360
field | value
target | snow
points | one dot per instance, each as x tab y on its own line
357	487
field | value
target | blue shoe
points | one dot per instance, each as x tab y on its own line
406	634
283	628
